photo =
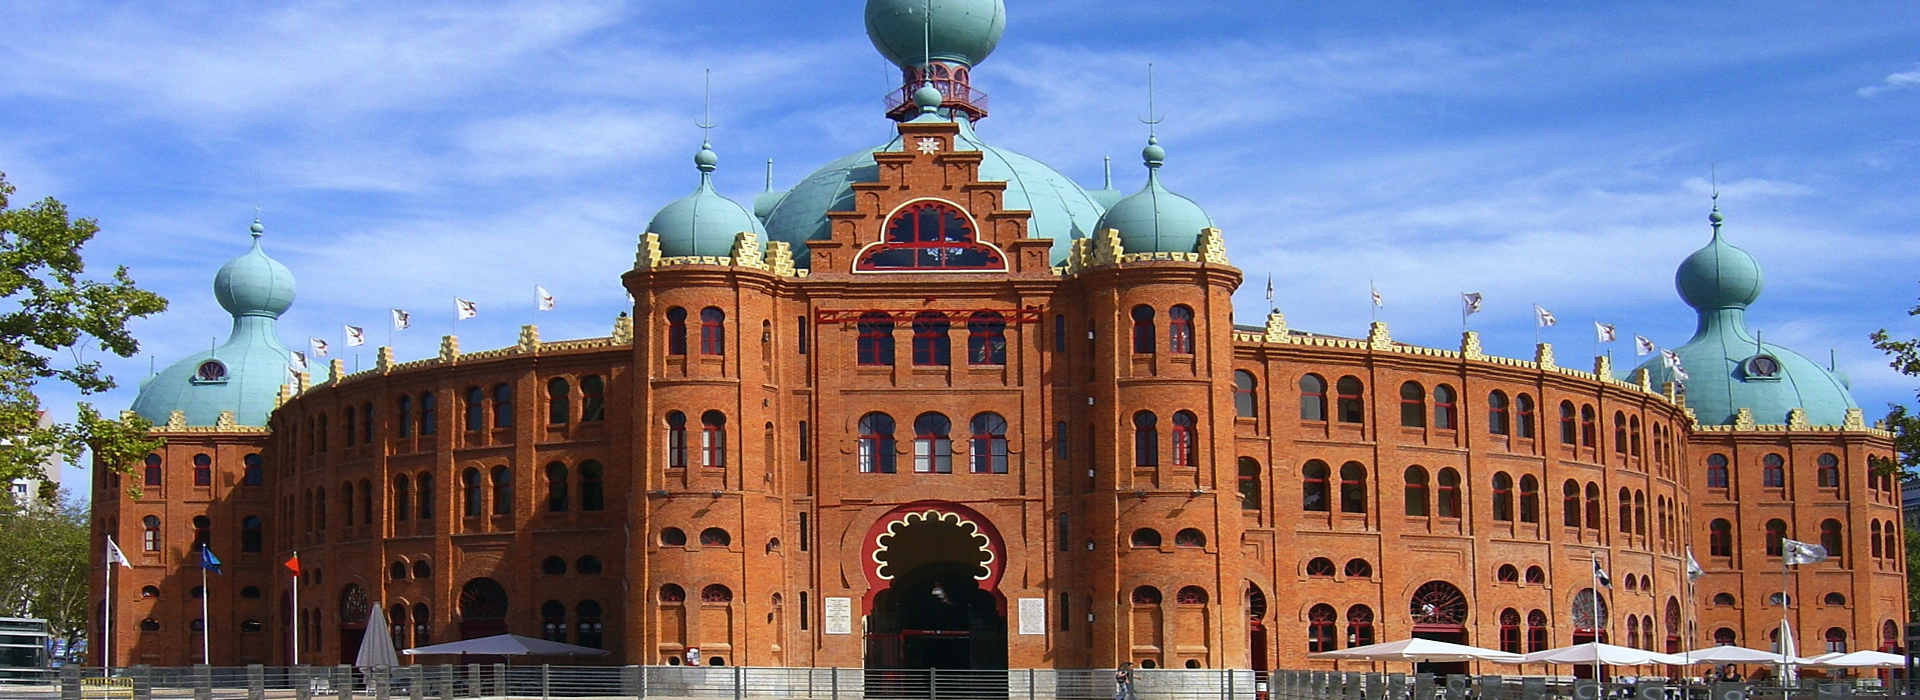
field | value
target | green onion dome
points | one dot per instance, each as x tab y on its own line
961	31
703	223
1155	220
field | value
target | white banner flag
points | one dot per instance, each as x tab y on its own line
297	363
1470	302
1642	346
1376	295
1797	552
463	309
1672	361
1694	572
114	556
318	345
1603	332
1542	316
544	300
401	320
356	336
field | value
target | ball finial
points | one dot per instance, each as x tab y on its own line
911	32
706	159
927	98
257	229
1153	154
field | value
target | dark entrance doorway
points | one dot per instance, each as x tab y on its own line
934	625
1439	613
353	620
483	609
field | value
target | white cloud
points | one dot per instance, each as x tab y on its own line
1898	81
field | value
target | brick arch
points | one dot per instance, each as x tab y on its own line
871	547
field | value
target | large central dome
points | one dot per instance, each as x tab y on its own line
1062	211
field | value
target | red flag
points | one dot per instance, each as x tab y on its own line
293	563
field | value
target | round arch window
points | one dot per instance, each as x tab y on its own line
211	371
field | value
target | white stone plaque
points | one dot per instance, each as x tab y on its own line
839	612
1033	616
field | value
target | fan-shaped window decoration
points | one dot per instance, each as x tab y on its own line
1246	400
1835	599
1507	573
1413	405
672	593
1438	606
1587	608
932	444
1180	330
1536	576
1724	600
1829	470
1353	488
1256	603
1536	631
987	452
588	565
1189	537
986	338
1773	471
1498	420
929	235
422	570
1146	595
1320	621
553	621
1529	499
1349	406
716	593
673	537
210	371
1724	637
1313	398
1510	631
876	444
1359	568
1359	626
553	566
715	537
1145	537
1191	595
1313	486
1320	567
1762	367
353	605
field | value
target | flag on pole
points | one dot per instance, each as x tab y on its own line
114	555
1269	290
318	345
293	564
1543	317
401	320
1376	295
1600	575
1470	302
1672	361
1642	346
208	561
356	336
1694	572
545	298
1603	332
463	309
298	363
1797	552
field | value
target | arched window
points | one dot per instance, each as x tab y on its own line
250	539
1353	488
1633	632
987	338
1246	402
1359	626
1320	634
250	470
1830	538
1593	506
593	399
672	594
1889	635
593	490
553	566
553	621
1413	405
873	347
1536	631
932	445
1835	599
1724	637
427	422
1536	576
1145	595
715	537
1313	486
1633	439
1587	427
1146	439
929	235
1529	499
713	439
1507	573
1720	538
1773	471
1180	330
1502	497
673	537
1351	408
1143	341
1626	511
502	491
676	331
1445	414
931	343
1836	640
1189	537
1510	631
713	331
366	422
559	398
876	444
1498	421
1313	398
988	450
1184	452
1724	600
351	434
422	570
1438	604
1249	482
402	498
1716	471
586	617
556	487
475	409
502	405
203	465
1829	466
471	490
1417	502
1523	417
151	471
676	440
366	502
150	533
1640	513
424	485
1569	424
346	504
716	593
1145	537
1446	493
1776	532
1874	535
403	415
1620	433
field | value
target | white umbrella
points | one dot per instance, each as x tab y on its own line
1732	655
1596	652
1864	659
1417	650
376	647
1812	660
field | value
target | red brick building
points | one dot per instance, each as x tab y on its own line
951	418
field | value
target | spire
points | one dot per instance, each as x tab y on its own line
1106	164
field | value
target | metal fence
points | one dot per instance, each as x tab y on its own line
1334	685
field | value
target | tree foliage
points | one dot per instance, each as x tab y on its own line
44	561
48	307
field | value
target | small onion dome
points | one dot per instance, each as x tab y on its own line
1718	276
961	31
1154	220
703	223
254	284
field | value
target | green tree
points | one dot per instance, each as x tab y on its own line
47	307
44	560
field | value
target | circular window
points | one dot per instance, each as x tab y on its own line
211	371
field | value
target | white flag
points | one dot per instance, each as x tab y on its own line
298	363
114	556
1672	361
401	320
1603	332
629	297
1470	301
1543	316
1600	575
1376	295
1642	346
1694	572
463	309
356	336
318	345
1269	290
545	302
1797	552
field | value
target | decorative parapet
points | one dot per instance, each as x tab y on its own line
1603	366
224	421
779	259
336	370
177	420
1212	247
1693	419
1643	380
746	251
1797	419
302	381
1470	345
529	339
1743	419
1174	256
450	346
383	360
1543	356
1377	337
1276	326
623	324
648	254
1855	420
1107	248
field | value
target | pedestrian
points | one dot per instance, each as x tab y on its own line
1123	682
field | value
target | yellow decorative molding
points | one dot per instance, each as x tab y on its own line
450	346
1470	345
623	324
1377	337
1855	420
224	421
1743	419
383	360
1603	366
1797	419
1276	326
529	339
1543	355
649	253
336	370
746	251
1212	247
779	259
1107	248
177	420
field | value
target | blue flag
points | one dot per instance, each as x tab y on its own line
208	561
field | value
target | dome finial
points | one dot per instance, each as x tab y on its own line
1714	217
1153	154
706	159
256	228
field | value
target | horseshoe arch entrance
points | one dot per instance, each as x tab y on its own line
934	600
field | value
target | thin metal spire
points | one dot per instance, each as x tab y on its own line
1106	163
706	113
1151	119
926	42
769	174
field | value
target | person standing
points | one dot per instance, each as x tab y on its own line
1123	682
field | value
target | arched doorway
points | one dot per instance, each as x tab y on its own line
483	609
934	602
1439	613
353	621
1589	613
1257	629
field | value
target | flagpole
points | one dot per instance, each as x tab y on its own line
1594	572
1785	601
296	609
106	621
206	630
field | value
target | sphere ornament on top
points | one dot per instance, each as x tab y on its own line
962	31
1155	220
703	224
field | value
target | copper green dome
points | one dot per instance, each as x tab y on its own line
1155	220
1718	276
254	283
703	224
961	31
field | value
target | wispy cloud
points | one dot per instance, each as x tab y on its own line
1906	80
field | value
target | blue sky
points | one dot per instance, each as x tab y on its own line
1553	153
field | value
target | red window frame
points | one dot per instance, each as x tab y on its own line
987	338
1184	452
1180	330
676	440
932	340
713	331
932	236
713	439
874	345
